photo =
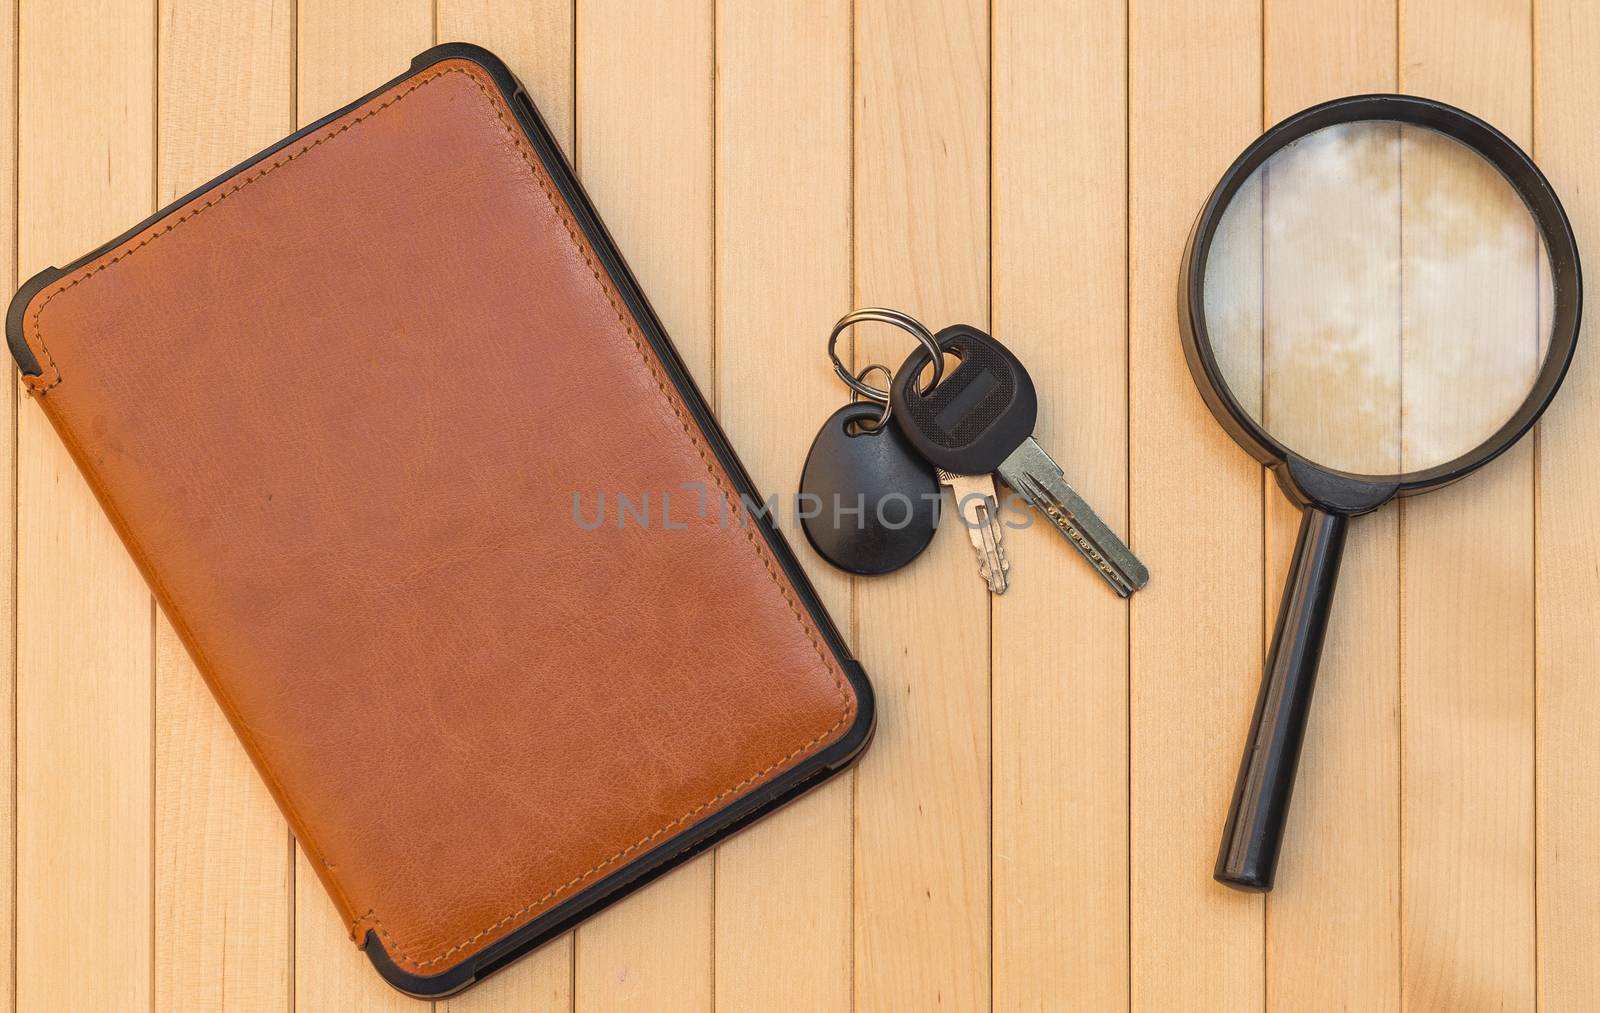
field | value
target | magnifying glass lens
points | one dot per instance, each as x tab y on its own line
1378	298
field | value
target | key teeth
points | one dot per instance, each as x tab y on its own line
998	583
1065	520
982	526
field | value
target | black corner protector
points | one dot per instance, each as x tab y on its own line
27	362
417	986
859	735
496	67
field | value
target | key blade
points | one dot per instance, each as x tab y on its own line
978	507
1032	472
984	531
995	561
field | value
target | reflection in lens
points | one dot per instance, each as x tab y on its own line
1378	298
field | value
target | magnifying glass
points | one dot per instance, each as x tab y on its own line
1381	295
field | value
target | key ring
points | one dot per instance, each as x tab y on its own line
882	315
888	405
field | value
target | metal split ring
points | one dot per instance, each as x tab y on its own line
882	315
888	405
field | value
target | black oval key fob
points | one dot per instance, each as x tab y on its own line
868	503
978	415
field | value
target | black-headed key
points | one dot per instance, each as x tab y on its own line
980	420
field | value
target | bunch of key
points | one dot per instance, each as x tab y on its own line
873	487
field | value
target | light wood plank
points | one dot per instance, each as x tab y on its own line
645	150
1321	50
534	37
1467	684
222	901
1566	107
8	543
1333	924
84	617
1195	92
1060	862
344	50
625	955
783	888
921	238
223	861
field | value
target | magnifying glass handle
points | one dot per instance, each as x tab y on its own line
1254	832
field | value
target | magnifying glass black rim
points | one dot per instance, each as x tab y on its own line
1337	490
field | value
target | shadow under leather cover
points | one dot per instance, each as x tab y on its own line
338	403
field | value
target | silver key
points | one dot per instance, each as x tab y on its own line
980	418
979	509
1031	472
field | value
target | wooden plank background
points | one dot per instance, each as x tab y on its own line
1035	825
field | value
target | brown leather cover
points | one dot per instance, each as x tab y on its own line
338	405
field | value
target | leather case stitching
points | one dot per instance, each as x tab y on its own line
556	204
